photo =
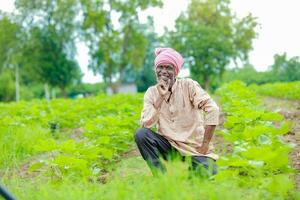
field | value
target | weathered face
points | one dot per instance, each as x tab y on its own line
165	73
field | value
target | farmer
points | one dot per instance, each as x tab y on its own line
173	105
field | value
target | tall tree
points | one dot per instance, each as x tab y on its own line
145	75
210	36
115	48
52	27
11	48
285	69
48	62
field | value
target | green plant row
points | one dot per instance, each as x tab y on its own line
289	90
257	166
259	157
38	127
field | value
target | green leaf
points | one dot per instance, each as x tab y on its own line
36	166
272	116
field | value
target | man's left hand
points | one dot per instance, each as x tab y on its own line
203	149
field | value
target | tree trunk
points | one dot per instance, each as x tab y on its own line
17	83
113	86
46	88
63	91
53	93
121	79
206	82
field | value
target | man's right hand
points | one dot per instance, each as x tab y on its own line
163	88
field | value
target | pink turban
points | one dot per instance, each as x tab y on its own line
168	56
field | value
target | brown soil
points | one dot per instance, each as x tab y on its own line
131	153
76	134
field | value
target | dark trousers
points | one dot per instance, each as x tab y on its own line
152	146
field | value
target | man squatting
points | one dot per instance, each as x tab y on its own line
173	105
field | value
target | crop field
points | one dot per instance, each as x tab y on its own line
84	148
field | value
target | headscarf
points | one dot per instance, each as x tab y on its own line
168	56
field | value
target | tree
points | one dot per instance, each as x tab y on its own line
8	37
52	29
115	50
247	74
48	62
11	48
146	76
285	69
7	87
210	37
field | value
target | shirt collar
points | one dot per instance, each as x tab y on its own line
172	89
174	85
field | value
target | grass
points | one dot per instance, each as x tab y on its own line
128	179
132	179
17	143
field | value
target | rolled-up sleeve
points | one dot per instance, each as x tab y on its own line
150	114
211	109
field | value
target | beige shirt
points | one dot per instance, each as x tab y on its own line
180	120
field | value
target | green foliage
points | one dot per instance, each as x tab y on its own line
70	164
7	90
284	69
259	155
8	39
70	158
48	62
86	88
210	36
17	141
115	50
146	75
108	123
289	90
178	183
247	74
49	49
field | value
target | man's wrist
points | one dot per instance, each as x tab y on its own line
205	143
209	130
158	102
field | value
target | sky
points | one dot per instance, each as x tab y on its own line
278	30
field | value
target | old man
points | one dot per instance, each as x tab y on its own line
173	105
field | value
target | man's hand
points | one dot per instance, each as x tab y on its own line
202	103
163	88
203	149
209	129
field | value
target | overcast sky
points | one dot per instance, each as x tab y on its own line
279	28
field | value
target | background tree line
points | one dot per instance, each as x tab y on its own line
38	46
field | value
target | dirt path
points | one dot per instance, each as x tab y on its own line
291	111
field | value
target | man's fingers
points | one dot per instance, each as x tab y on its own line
202	103
168	83
162	83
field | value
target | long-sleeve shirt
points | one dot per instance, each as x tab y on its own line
180	120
